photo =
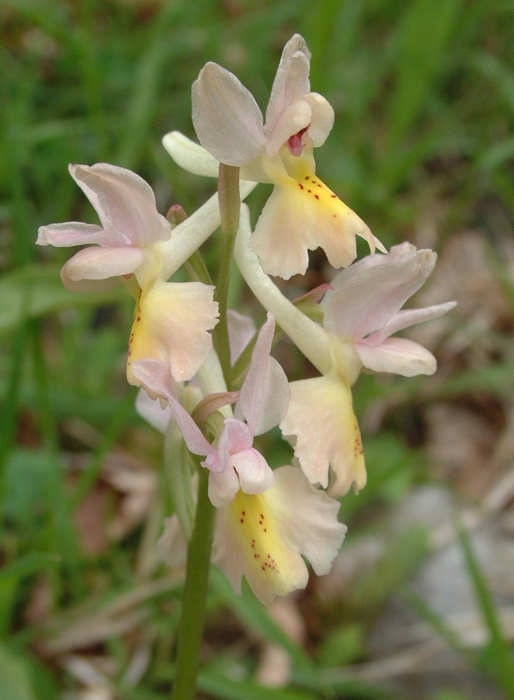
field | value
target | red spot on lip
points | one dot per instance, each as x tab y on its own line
309	191
333	196
316	196
306	177
301	186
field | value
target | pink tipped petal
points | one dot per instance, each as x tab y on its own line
397	355
226	117
170	324
365	302
241	330
76	233
253	471
291	80
326	436
322	119
152	411
123	201
317	534
265	391
189	155
409	317
293	119
97	263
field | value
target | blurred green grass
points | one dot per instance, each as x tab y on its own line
424	100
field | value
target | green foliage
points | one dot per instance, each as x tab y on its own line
424	100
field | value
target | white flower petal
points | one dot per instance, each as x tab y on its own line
97	263
327	439
316	533
226	117
397	355
254	473
170	324
223	487
123	201
190	155
322	119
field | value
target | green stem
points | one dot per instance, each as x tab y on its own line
230	204
195	594
199	549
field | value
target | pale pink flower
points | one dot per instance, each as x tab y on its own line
135	245
302	213
361	313
234	464
267	520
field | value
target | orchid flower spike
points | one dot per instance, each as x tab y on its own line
234	464
274	518
302	213
361	313
135	245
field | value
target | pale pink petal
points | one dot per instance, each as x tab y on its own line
325	433
291	80
253	471
223	486
152	411
293	119
322	119
397	355
226	117
365	302
123	201
236	436
155	377
265	392
97	263
409	317
241	330
306	518
75	233
170	324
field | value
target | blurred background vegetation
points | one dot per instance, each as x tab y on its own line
420	603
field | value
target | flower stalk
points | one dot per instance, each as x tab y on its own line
192	618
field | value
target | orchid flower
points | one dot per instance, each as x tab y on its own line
361	313
264	525
135	245
302	213
234	464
